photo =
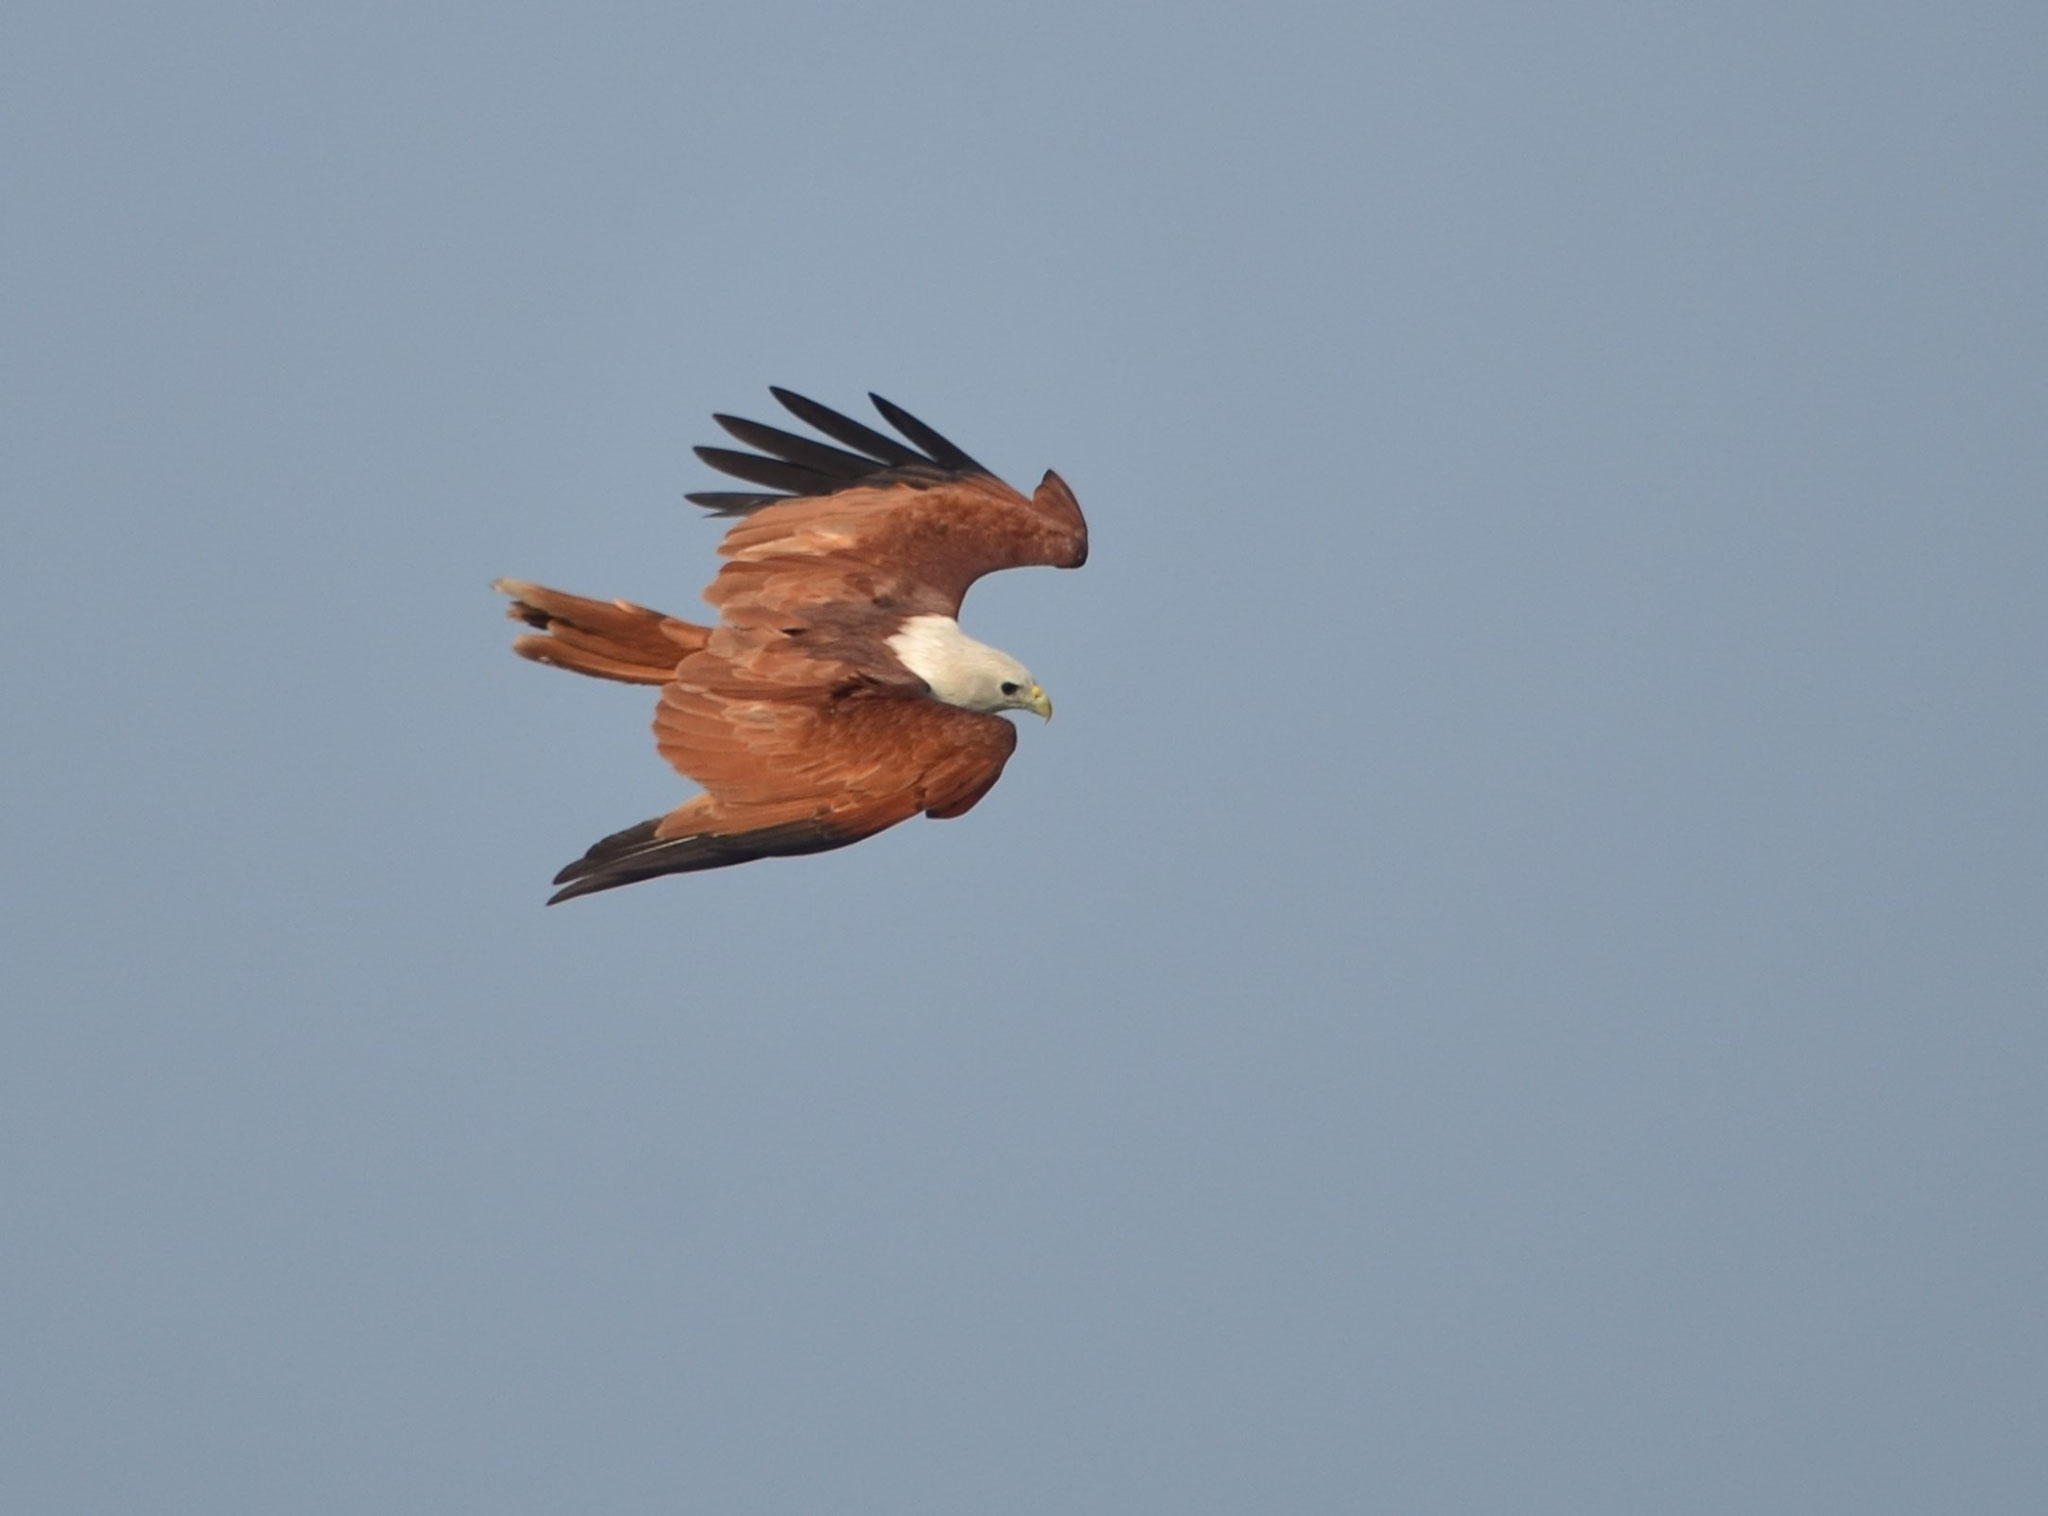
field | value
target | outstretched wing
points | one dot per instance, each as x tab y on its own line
884	526
785	776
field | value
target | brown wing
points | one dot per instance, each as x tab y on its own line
887	528
788	768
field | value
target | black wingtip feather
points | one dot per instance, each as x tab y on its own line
629	856
943	453
802	451
773	472
847	430
731	502
801	466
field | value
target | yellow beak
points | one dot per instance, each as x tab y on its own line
1039	701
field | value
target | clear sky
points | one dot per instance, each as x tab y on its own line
1515	981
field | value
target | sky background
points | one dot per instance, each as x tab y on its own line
1515	981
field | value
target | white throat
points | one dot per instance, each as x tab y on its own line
960	670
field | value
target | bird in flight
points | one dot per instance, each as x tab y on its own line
836	695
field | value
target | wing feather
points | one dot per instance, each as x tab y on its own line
731	502
845	429
942	452
827	462
776	473
800	466
639	852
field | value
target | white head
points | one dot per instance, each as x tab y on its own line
964	672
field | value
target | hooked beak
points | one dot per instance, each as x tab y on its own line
1039	701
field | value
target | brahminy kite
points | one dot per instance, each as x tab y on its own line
837	694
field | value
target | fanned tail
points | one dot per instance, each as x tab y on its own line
608	639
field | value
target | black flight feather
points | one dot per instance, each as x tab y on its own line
844	428
731	502
755	469
802	451
635	854
800	466
943	452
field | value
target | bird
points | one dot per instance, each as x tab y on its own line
835	695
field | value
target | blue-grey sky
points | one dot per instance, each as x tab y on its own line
1514	983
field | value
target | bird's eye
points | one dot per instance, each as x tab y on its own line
1009	686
